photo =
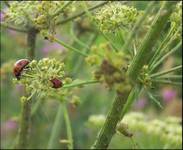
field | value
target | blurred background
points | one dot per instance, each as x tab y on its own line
95	99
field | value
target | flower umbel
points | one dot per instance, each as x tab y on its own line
111	67
115	15
44	76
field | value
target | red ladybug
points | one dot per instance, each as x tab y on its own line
56	83
19	66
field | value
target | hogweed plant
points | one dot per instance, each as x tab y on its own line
128	62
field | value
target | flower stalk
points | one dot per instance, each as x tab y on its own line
143	53
26	104
108	129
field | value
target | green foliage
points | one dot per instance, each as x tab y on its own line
127	52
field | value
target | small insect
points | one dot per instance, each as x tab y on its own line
56	83
19	66
123	129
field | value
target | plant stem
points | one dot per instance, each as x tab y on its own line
175	77
24	124
154	100
70	47
36	106
31	42
56	128
165	41
26	105
62	9
108	129
166	71
13	28
143	53
80	83
68	126
165	56
105	135
160	81
86	50
80	14
129	101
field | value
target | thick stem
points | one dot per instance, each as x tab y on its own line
143	53
24	125
31	42
26	105
109	127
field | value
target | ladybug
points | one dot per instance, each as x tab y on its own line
19	66
56	83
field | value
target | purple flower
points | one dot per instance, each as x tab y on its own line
12	32
168	95
1	16
140	103
48	47
9	126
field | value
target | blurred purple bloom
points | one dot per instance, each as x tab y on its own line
12	32
20	88
168	95
140	103
51	47
10	124
1	16
8	127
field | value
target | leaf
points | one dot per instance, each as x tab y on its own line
155	100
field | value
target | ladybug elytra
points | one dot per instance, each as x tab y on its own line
19	66
56	83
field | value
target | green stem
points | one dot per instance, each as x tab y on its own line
143	54
154	100
31	42
62	9
105	135
80	84
24	125
36	106
13	28
108	129
129	101
166	71
166	39
80	14
68	126
70	47
55	132
78	40
160	51
80	60
22	137
138	25
165	56
26	105
175	77
160	81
